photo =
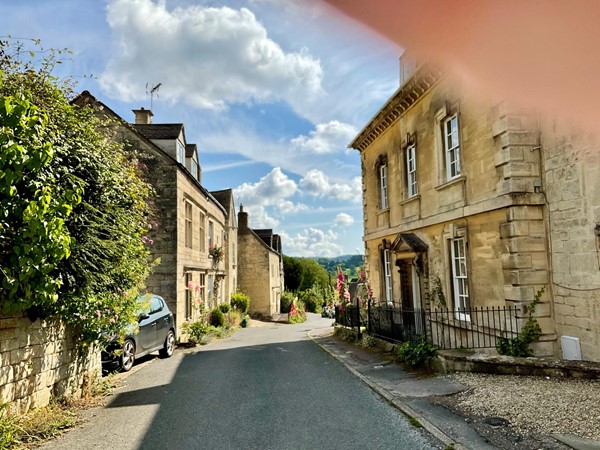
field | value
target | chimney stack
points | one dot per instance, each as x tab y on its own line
143	116
242	220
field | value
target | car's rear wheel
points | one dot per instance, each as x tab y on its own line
169	346
128	356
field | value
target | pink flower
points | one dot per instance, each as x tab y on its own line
97	313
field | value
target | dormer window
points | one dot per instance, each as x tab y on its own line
194	169
180	152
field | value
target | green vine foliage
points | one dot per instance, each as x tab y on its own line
531	332
33	235
86	205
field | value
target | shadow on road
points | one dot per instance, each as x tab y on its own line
284	395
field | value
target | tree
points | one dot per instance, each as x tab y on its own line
313	273
292	273
302	273
88	192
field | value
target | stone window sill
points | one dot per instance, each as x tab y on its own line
452	182
414	198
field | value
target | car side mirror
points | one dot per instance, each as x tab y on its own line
143	317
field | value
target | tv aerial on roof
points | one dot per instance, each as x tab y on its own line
152	92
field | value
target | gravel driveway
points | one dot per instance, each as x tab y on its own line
537	405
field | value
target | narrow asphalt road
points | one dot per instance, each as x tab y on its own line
267	387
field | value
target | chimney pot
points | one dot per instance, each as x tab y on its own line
143	116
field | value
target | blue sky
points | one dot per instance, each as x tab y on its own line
272	91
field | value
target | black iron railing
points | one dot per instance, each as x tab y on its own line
446	328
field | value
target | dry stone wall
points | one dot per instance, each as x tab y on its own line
41	360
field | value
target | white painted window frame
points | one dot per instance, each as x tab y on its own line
210	284
451	138
202	220
180	152
460	281
189	310
211	233
383	187
387	276
411	170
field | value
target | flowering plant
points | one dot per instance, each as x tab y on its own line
342	287
296	314
365	293
216	253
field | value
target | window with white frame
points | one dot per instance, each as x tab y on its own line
188	225
387	275
180	152
202	288
451	146
211	234
210	283
202	231
411	170
460	286
188	295
383	187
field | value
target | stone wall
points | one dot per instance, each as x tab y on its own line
572	188
254	274
40	361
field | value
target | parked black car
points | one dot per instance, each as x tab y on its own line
156	332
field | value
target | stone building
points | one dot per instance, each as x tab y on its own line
472	203
225	198
260	269
189	219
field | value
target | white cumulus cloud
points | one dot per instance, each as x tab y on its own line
258	217
344	220
272	189
207	57
267	198
311	242
316	183
326	138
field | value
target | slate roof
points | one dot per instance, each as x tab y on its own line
190	149
224	197
159	130
267	236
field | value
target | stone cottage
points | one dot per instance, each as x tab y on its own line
473	203
260	268
189	219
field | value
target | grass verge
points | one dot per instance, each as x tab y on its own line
21	431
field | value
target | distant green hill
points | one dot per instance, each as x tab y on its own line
349	264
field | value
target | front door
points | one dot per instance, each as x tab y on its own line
408	319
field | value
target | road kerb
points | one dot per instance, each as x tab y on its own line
398	404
